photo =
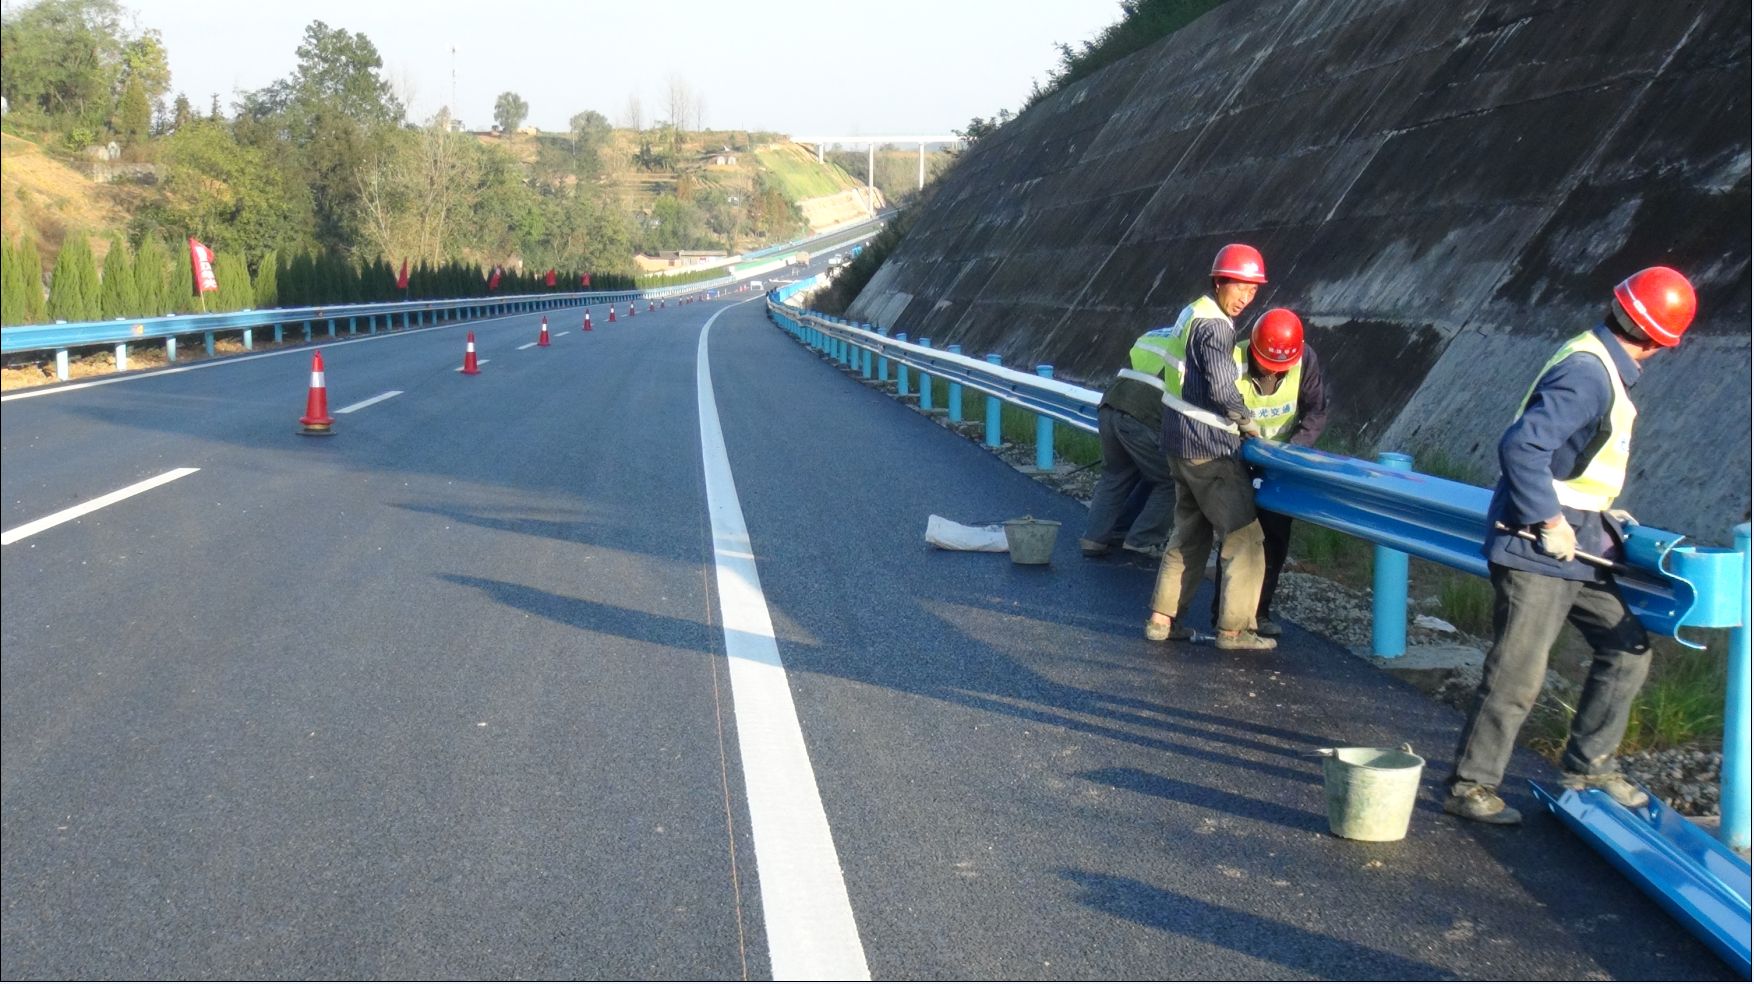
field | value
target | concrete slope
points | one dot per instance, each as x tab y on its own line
1443	191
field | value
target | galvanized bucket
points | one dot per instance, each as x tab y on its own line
1370	791
1031	540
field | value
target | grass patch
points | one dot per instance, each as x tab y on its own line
1465	602
797	174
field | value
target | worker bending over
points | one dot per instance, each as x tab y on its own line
1203	427
1564	460
1281	382
1129	422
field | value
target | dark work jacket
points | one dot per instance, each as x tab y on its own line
1568	407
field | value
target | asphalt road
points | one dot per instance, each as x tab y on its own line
450	694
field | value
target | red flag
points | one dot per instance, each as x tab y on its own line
402	279
493	279
201	264
551	276
584	280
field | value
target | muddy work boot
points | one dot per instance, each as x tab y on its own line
1092	548
1471	801
1167	632
1245	641
1612	783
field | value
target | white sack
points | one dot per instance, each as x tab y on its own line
948	535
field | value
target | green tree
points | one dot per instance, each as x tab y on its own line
133	113
119	295
73	289
181	297
152	277
235	292
509	111
230	196
12	285
62	57
267	283
30	269
182	114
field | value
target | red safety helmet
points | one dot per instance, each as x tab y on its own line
1239	261
1660	302
1277	340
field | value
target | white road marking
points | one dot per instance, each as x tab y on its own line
811	933
478	364
558	334
18	533
527	345
361	405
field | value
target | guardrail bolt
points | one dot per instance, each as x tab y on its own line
1044	430
1388	584
994	438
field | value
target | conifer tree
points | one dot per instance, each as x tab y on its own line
119	294
152	276
234	293
73	289
35	309
11	284
182	299
267	283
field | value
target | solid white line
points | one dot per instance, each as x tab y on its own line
526	345
811	933
361	405
18	533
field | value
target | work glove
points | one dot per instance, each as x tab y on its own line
1621	518
1558	541
1248	427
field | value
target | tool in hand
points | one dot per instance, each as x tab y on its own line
1604	563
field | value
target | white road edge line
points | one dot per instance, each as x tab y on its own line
811	933
361	405
18	533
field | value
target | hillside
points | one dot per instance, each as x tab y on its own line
45	198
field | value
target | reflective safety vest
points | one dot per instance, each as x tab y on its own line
1600	472
1277	411
1160	356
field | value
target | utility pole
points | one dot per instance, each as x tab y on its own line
454	82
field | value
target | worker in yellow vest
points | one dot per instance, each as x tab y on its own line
1564	461
1282	385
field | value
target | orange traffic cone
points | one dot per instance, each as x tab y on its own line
587	319
542	342
316	421
630	311
650	307
611	314
662	302
469	366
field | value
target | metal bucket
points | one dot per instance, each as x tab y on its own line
1370	791
1031	540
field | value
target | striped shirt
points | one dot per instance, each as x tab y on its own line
1210	384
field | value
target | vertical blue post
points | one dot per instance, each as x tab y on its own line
925	382
883	361
207	343
1388	584
901	369
352	325
993	410
331	327
1044	430
1734	777
278	335
865	359
307	326
955	397
170	349
249	339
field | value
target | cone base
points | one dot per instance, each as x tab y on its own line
316	430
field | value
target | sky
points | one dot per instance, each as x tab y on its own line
824	68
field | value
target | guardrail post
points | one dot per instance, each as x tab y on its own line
1388	584
170	348
278	335
307	326
331	327
249	339
925	382
1733	777
122	357
993	410
901	369
61	371
883	361
207	343
352	325
865	357
1044	430
955	395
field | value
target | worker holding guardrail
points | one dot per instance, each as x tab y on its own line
1281	381
1564	461
1129	423
1202	438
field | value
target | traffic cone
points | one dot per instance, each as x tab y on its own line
611	314
587	319
630	310
316	421
542	342
650	307
469	366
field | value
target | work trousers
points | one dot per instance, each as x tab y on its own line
1131	453
1276	546
1214	498
1528	612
